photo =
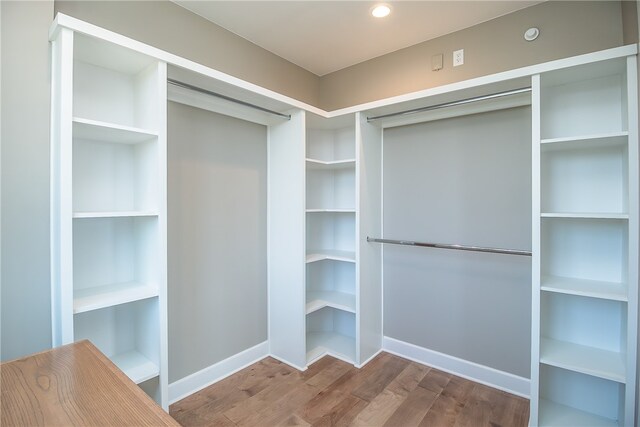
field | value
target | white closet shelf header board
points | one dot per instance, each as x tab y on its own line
208	78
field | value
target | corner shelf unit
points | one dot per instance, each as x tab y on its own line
585	234
109	205
334	305
331	287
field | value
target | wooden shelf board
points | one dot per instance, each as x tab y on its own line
136	366
586	215
555	414
586	288
95	130
320	255
317	300
586	360
328	165
98	297
349	210
585	141
113	214
334	344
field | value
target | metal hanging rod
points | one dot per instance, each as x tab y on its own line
226	98
455	247
452	104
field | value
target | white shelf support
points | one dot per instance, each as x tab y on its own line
61	185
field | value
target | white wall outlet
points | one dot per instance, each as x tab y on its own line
458	57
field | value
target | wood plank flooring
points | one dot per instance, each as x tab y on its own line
389	391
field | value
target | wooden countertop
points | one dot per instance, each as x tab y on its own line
73	385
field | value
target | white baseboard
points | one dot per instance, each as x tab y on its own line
299	368
197	381
463	368
369	359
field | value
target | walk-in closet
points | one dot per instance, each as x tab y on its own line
252	258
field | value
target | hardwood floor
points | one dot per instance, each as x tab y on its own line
388	391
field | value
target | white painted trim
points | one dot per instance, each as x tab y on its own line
369	359
603	55
463	368
64	21
197	381
286	362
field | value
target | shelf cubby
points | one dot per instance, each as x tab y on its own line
332	189
585	335
585	100
331	331
573	399
330	284
591	179
331	147
125	83
616	291
128	334
604	364
555	414
584	248
333	231
115	177
115	261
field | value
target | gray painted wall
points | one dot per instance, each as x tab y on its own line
217	237
25	290
567	28
465	180
629	21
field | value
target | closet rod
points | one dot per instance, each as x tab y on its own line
452	104
226	98
447	246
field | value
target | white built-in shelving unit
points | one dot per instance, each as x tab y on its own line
585	234
108	214
330	279
109	205
328	301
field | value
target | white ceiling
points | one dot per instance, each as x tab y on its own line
326	36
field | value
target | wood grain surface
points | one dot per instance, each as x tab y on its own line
73	385
388	391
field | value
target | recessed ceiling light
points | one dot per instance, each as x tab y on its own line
381	10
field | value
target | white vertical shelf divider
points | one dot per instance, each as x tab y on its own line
368	223
535	251
108	204
161	88
61	185
631	397
585	245
286	240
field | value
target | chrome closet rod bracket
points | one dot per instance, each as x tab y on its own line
450	246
